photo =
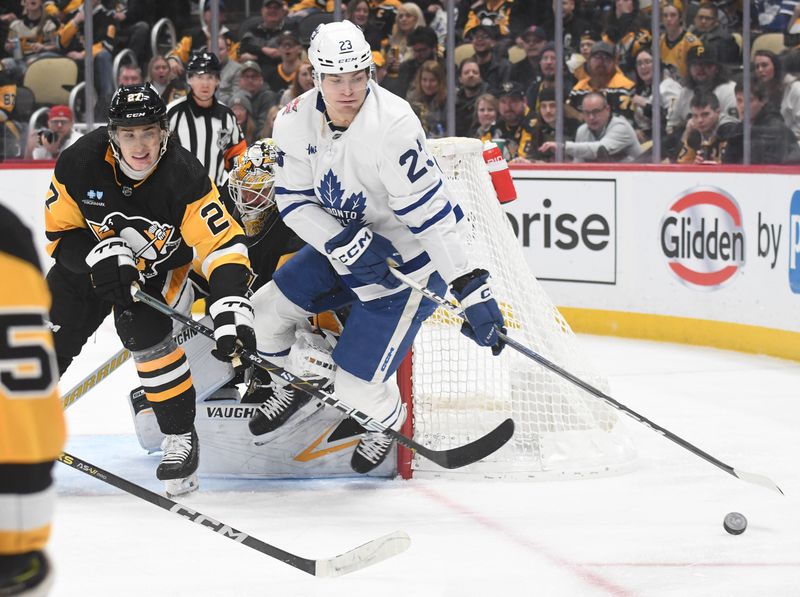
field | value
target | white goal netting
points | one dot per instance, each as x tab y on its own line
460	391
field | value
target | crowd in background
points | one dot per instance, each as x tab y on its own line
506	69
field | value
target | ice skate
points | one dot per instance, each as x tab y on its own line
179	463
27	574
280	404
373	448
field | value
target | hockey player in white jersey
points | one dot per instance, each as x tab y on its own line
355	181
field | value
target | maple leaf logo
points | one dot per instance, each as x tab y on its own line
333	200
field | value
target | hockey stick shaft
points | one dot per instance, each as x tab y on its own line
453	458
80	389
365	555
547	364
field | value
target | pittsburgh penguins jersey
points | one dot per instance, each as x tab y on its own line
211	134
675	52
377	172
169	218
32	428
619	92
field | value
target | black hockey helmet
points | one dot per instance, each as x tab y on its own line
201	62
135	105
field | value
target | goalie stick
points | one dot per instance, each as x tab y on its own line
450	459
754	478
362	556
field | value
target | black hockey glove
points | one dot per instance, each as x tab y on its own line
483	317
233	326
365	252
113	270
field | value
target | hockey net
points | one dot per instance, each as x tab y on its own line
459	391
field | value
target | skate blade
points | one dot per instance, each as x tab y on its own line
176	487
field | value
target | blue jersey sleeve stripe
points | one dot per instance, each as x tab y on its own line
294	206
440	215
285	191
424	199
458	213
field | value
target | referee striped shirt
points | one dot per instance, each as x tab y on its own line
211	134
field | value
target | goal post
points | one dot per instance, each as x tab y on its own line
457	391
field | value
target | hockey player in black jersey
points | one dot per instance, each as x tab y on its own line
127	204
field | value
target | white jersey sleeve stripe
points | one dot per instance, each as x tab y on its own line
423	200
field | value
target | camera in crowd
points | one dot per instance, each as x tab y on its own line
46	135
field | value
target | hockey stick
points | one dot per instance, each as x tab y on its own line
453	458
87	383
754	478
362	556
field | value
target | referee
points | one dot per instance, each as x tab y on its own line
202	124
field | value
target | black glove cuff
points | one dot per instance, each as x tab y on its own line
461	282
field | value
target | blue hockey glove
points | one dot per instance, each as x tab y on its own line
233	326
483	317
112	270
365	252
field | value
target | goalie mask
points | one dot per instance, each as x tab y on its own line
251	185
338	48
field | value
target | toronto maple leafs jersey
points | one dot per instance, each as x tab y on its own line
377	172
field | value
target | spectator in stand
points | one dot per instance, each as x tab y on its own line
574	27
642	99
605	78
547	79
199	38
260	41
471	87
544	129
158	73
771	141
713	35
398	48
229	75
428	98
487	109
768	72
302	83
243	110
495	13
790	104
526	71
279	77
516	120
705	74
423	42
30	37
494	71
705	140
70	43
603	137
675	41
47	144
129	74
133	19
252	86
269	122
628	32
587	41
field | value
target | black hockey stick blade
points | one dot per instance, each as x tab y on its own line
452	458
462	455
362	556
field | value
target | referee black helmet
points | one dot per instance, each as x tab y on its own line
201	62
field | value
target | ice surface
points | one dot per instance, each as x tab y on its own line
656	531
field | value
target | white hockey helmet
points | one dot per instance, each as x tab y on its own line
339	48
252	185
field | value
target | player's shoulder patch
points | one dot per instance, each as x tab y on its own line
292	106
15	238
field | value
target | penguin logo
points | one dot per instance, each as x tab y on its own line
150	241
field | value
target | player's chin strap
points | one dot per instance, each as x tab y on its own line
456	310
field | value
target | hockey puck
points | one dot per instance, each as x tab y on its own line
735	523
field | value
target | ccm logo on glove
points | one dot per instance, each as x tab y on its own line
355	248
